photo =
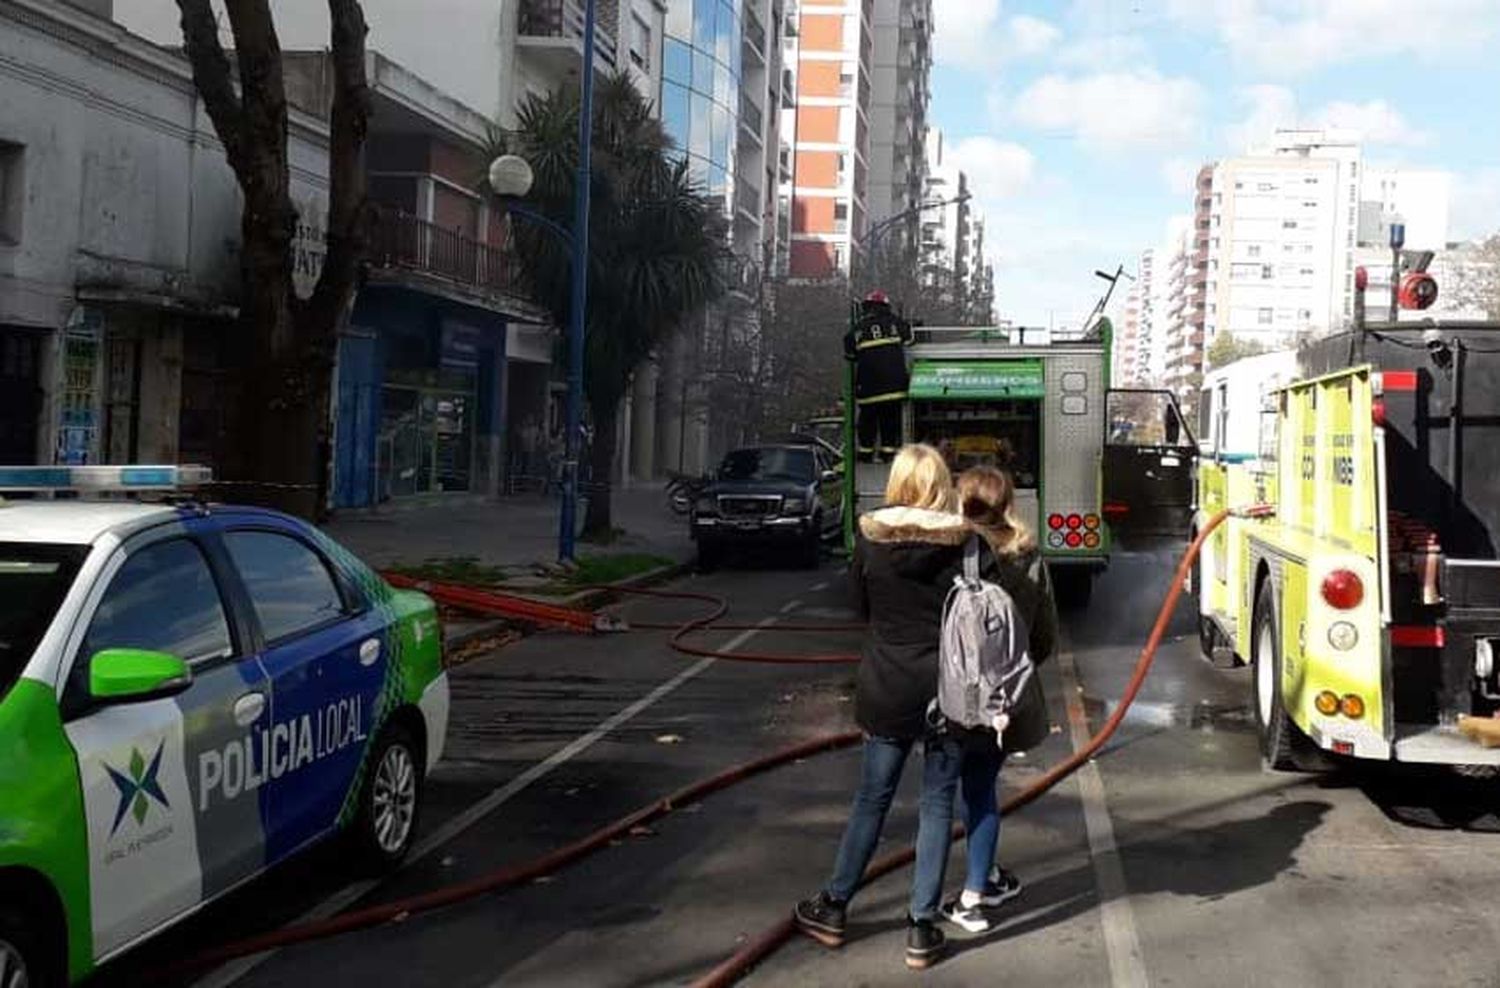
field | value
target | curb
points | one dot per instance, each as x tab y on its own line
484	629
583	600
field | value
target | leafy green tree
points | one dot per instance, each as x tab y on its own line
1227	348
657	244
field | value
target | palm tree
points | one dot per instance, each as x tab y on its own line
656	244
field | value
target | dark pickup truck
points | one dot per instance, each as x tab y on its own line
782	495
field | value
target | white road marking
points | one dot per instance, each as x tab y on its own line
1122	945
790	606
819	587
232	972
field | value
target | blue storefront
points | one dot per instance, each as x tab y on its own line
420	402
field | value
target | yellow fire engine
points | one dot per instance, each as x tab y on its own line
1368	601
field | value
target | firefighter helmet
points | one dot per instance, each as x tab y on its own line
877	297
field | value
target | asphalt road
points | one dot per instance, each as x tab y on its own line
1173	860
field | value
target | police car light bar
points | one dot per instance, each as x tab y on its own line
122	479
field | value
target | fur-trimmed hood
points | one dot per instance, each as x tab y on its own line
889	526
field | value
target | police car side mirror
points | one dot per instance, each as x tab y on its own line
134	675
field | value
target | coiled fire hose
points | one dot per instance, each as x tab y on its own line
735	966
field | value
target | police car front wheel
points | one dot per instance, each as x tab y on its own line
387	823
21	954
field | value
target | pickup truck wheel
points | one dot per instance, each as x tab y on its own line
390	801
1283	746
710	555
24	962
810	553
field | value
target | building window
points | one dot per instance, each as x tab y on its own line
1265	272
12	191
843	167
846	83
1304	314
840	256
1266	187
1311	180
640	43
1263	317
1254	250
1289	224
841	217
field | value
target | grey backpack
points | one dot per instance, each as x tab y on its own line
983	661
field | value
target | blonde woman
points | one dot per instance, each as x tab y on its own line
987	499
905	558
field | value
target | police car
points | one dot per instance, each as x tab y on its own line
189	695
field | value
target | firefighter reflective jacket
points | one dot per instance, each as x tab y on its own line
876	344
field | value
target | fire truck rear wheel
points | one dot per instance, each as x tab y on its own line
1283	746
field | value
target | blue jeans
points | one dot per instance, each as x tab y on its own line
884	759
981	770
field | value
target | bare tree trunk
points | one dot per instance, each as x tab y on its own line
280	436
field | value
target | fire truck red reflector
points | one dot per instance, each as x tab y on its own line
1399	380
1343	589
1113	509
1417	636
1074	540
1075	521
1377	412
1054	522
1343	747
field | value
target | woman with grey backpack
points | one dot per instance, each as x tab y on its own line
987	499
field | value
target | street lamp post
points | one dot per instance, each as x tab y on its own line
511	178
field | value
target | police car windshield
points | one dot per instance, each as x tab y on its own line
771	463
33	580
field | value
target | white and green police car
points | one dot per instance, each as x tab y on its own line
189	695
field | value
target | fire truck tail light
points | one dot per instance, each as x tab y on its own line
1074	540
1352	706
1091	522
1343	590
1054	522
1377	412
1091	540
1327	703
1075	521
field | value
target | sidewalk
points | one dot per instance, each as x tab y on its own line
517	531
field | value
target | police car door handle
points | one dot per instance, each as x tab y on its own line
369	651
248	708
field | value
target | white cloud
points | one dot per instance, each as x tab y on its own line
1288	37
1375	122
1476	205
974	34
1270	107
1109	110
1181	174
996	169
1031	35
1104	50
962	32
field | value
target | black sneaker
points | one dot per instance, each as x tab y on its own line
924	944
1002	887
821	918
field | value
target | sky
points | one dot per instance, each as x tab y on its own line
1082	123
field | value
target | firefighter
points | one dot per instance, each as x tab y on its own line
876	343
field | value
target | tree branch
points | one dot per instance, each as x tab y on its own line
348	125
211	76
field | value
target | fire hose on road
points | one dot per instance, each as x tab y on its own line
764	944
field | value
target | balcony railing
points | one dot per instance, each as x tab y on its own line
562	19
750	115
754	32
401	241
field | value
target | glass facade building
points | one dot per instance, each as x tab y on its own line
700	88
